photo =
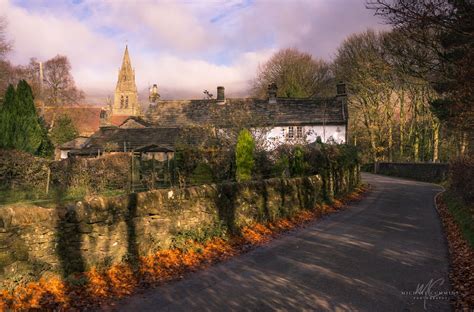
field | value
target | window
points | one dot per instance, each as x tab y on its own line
126	101
283	132
290	132
121	101
299	131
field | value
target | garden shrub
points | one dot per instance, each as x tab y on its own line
263	164
244	157
298	166
202	174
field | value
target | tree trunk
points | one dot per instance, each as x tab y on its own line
436	142
463	147
402	135
390	144
416	147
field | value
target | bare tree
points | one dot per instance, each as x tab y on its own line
5	66
297	74
438	36
389	107
5	46
59	86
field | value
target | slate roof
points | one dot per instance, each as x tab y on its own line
137	119
77	143
166	120
285	111
114	139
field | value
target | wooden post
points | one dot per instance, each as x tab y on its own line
168	167
153	175
48	178
131	173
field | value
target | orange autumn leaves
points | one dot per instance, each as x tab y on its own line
96	287
34	295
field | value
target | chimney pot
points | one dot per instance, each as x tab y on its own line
154	96
272	93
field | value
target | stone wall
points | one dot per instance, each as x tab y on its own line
105	230
428	172
20	171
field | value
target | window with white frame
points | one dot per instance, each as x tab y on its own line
291	133
299	131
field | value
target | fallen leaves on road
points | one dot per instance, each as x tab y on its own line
96	287
462	260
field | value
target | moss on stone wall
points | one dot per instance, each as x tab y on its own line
105	230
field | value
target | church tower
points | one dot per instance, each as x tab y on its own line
126	96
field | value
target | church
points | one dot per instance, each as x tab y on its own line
125	127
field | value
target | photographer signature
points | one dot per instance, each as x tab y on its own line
427	291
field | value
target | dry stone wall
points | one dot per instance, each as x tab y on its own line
428	172
104	230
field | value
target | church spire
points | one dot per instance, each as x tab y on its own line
126	95
126	64
126	74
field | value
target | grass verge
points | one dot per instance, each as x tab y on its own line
457	219
462	214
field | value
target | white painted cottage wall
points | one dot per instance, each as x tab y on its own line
279	135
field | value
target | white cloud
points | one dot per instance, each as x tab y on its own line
180	45
195	75
45	35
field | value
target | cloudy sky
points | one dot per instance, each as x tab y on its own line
184	46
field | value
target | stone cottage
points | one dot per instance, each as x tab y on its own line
278	120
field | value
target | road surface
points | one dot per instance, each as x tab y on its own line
371	257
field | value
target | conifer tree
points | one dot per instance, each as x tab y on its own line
20	126
27	135
244	157
46	148
63	131
7	115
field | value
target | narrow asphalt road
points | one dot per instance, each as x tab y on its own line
367	258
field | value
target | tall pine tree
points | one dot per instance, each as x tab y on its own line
7	118
20	126
28	134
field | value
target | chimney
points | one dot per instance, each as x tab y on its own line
341	89
104	118
272	93
221	94
154	96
